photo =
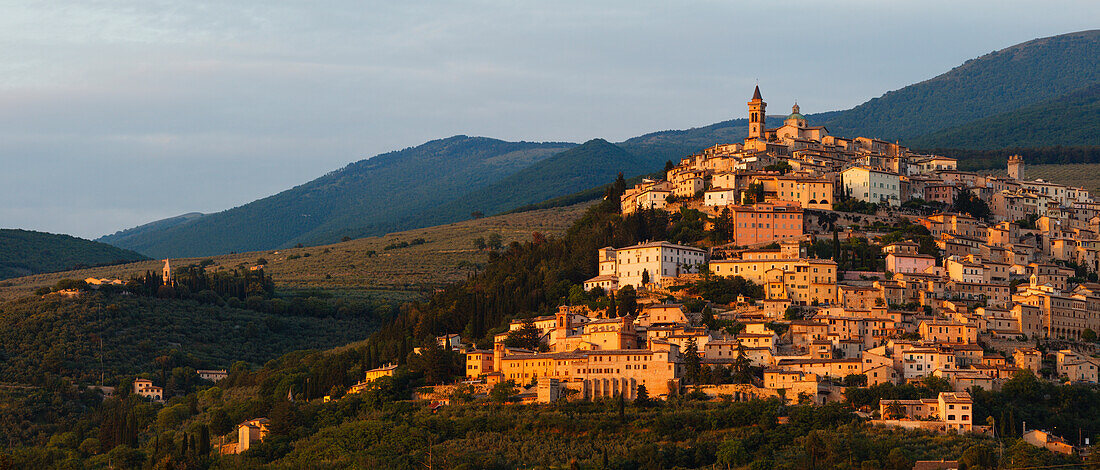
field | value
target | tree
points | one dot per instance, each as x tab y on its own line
898	459
495	241
742	366
526	337
977	457
645	277
895	410
724	228
782	167
1088	335
691	361
480	244
669	166
477	214
628	301
502	391
641	398
220	423
967	203
283	418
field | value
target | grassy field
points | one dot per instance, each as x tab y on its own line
446	256
1084	175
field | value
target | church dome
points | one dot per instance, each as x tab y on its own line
795	114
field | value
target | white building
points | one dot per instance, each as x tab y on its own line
626	266
871	185
720	197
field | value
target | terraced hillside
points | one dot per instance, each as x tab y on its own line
447	255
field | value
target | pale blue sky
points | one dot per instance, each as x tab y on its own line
117	113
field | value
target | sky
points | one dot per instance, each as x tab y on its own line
118	113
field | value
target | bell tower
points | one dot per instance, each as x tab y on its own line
756	115
166	273
1016	167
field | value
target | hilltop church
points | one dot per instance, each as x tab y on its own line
794	127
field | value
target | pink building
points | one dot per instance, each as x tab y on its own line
902	257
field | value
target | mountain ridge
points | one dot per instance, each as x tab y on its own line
427	182
26	252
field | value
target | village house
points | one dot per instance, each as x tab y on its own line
948	411
145	388
656	261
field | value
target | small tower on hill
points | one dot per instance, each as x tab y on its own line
1016	167
757	107
166	274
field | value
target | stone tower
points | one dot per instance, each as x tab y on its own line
166	274
1016	167
756	115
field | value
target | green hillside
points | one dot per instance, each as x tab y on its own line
591	164
445	180
24	252
676	144
1001	81
121	237
51	334
1070	120
369	197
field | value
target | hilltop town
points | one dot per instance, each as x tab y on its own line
815	280
865	263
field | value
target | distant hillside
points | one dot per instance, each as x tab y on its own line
23	252
120	237
593	163
1071	120
444	180
368	197
363	266
1001	81
673	145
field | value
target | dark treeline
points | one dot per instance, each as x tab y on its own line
524	279
191	280
971	159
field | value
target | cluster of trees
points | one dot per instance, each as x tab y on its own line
853	254
377	428
741	371
906	230
494	242
966	202
924	207
403	244
850	204
104	335
722	290
522	279
196	282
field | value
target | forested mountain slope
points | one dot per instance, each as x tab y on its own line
369	197
588	165
1071	120
25	252
1027	73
